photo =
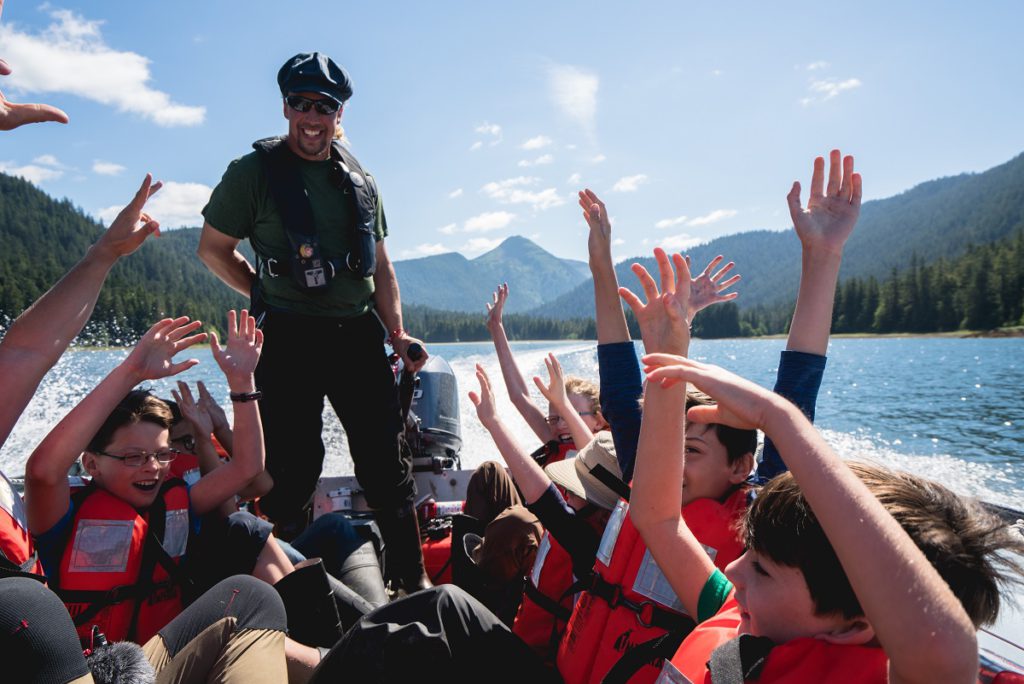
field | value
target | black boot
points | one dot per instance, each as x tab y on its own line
403	550
351	606
309	602
360	572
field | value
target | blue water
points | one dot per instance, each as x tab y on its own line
947	408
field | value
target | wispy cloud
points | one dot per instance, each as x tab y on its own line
826	89
490	131
70	56
105	168
679	243
177	205
424	250
539	161
43	168
475	146
574	92
714	217
517	191
457	192
629	183
449	229
488	221
597	159
480	245
539	142
669	222
574	179
817	66
618	241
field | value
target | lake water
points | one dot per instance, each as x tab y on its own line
950	409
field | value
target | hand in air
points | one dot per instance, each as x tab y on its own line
238	358
14	115
662	320
486	411
554	391
152	358
192	411
740	403
496	306
832	209
208	404
596	215
706	289
133	225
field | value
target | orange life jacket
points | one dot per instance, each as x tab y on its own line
119	569
17	553
554	451
630	601
186	465
801	661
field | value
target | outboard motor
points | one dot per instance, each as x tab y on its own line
434	432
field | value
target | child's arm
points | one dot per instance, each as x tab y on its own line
923	628
555	393
36	340
237	360
518	392
221	426
611	320
527	473
46	474
823	228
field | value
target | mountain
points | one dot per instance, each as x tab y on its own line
939	219
451	282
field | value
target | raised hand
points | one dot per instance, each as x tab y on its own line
238	358
496	306
706	289
486	411
740	403
832	209
14	115
192	411
152	357
208	404
596	216
554	391
663	322
132	225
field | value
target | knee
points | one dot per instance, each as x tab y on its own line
253	603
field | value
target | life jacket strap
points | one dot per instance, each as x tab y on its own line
547	603
648	613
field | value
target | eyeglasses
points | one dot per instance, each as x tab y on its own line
134	459
553	420
304	104
188	442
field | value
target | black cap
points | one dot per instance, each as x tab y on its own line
314	73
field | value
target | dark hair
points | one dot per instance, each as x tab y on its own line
176	415
139	406
969	547
737	442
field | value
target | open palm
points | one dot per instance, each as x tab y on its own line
832	210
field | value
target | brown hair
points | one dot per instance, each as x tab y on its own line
737	442
968	546
584	388
139	406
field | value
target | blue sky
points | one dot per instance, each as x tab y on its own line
481	120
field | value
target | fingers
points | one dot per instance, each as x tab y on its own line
721	273
184	394
215	344
181	329
4	69
707	415
474	398
668	283
857	190
557	365
835	173
203	392
711	266
661	359
846	189
646	282
189	341
818	178
181	367
729	283
542	387
232	330
20	114
793	200
632	300
142	194
155	188
682	284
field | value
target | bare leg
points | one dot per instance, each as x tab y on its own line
272	564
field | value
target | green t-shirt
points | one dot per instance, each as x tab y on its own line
713	596
241	206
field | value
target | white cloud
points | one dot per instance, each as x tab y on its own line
514	191
679	243
34	173
570	147
714	217
488	129
817	66
537	143
716	72
177	205
618	241
629	183
426	249
669	222
539	161
70	56
105	168
475	146
480	245
48	160
597	159
574	179
449	229
488	221
457	192
574	92
828	89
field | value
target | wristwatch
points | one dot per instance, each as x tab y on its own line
243	397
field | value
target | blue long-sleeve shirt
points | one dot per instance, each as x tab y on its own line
798	380
621	390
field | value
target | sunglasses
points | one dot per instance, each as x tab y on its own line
134	459
188	442
304	104
553	420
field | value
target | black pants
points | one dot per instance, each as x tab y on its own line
436	635
305	359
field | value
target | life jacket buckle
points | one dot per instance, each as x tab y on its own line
645	613
269	265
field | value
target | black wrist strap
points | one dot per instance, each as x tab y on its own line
243	397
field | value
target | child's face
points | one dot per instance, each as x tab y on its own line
592	419
136	486
775	601
706	469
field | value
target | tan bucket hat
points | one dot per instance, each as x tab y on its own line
576	476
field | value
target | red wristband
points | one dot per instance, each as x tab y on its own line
397	332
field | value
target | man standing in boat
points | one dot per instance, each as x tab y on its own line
326	296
